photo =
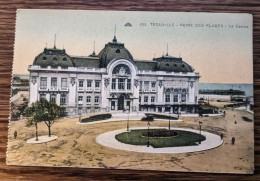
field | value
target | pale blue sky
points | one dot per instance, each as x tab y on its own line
220	55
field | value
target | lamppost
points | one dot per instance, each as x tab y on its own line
127	125
36	127
79	116
200	123
169	120
148	125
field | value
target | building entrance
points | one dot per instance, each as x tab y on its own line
121	101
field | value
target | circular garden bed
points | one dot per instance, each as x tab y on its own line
160	138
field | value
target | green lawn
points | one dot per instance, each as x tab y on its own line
185	138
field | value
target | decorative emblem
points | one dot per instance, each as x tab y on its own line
191	84
160	84
122	71
34	80
106	82
72	81
136	82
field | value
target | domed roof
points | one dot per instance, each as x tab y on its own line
113	50
53	57
173	64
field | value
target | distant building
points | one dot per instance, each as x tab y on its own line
113	80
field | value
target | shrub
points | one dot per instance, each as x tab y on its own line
97	117
161	116
247	119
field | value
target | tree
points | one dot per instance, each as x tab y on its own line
45	111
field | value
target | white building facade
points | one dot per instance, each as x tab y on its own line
113	80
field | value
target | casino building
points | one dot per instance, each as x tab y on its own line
113	80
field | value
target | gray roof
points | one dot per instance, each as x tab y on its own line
146	65
113	50
53	57
91	62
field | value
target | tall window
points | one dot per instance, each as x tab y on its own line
63	83
80	99
152	99
183	97
141	86
121	84
153	86
89	83
113	84
53	82
97	84
42	97
88	99
81	84
63	99
145	98
146	85
140	99
96	99
53	98
128	84
175	98
167	98
43	83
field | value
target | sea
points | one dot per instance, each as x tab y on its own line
248	88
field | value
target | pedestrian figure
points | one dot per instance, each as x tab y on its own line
224	113
233	140
221	136
15	134
235	122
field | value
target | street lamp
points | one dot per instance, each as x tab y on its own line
148	125
200	123
169	121
127	125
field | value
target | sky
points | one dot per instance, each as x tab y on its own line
217	45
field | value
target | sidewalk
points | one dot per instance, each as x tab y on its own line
108	139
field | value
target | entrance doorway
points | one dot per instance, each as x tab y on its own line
121	101
113	105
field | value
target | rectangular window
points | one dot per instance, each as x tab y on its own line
141	86
96	99
128	84
88	99
121	84
145	98
183	97
167	98
81	84
153	86
89	83
113	84
80	98
63	99
53	98
97	84
175	98
63	83
146	85
43	83
140	99
152	99
42	97
53	82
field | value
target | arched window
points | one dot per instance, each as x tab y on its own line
117	51
44	58
167	65
64	59
54	58
183	95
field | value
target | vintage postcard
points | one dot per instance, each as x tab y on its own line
133	90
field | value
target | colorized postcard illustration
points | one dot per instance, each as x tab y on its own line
132	90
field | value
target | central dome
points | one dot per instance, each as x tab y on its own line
113	50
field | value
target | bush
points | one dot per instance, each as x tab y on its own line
97	117
247	119
160	116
